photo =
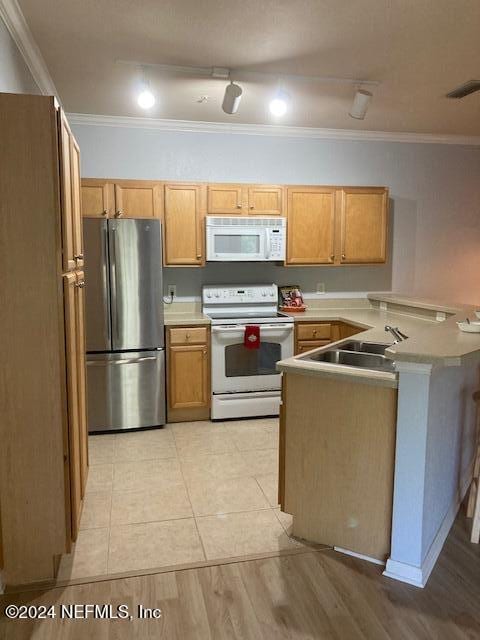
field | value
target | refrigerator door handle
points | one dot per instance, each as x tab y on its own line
113	280
99	363
106	282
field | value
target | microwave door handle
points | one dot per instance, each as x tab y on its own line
267	243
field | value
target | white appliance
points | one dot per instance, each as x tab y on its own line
245	382
245	239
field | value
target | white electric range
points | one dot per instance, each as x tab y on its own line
245	382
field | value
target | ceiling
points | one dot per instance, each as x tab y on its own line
417	50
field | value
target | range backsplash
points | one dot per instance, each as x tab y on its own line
189	281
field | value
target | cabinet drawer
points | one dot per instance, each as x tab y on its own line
308	345
188	335
311	331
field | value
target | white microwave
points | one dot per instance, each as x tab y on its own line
245	239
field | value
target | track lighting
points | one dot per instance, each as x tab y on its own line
360	104
279	105
232	97
145	98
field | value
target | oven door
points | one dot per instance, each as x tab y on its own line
244	244
238	369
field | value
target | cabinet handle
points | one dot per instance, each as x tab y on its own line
79	256
119	214
239	206
80	284
343	256
252	207
332	257
204	352
105	212
187	336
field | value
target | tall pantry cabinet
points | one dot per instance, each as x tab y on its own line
43	427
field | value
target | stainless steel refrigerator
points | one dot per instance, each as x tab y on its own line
124	324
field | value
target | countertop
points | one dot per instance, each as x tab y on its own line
185	319
431	341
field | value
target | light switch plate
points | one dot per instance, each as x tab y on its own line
320	287
172	290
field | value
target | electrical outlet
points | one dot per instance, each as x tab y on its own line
172	290
320	287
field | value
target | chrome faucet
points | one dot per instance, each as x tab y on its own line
396	333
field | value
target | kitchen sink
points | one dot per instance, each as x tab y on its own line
363	355
365	347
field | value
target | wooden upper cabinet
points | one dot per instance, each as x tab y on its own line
138	199
184	224
225	199
98	199
265	201
363	225
76	202
68	250
310	225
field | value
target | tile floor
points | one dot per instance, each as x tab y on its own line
189	492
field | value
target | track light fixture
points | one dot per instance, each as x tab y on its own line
232	98
145	98
279	104
360	104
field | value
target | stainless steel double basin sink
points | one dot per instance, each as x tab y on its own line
356	353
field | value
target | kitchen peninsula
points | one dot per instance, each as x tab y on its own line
376	462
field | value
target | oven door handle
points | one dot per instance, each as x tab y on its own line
241	327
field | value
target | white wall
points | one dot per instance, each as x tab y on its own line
15	76
435	191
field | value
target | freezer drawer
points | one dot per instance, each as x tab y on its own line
126	390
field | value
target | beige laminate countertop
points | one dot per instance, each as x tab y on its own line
185	319
430	341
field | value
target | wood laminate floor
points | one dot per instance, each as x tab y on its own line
311	595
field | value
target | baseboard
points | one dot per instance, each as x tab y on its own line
360	556
418	576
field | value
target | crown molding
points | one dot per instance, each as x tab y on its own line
18	28
194	126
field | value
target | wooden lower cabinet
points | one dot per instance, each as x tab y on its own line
77	433
188	374
313	335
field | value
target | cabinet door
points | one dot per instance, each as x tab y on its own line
138	199
265	201
68	251
188	376
74	438
226	199
97	198
308	345
183	224
81	377
76	202
363	225
311	225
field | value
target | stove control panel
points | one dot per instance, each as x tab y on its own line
251	294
